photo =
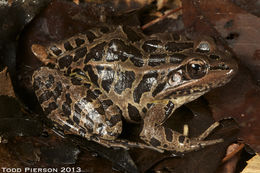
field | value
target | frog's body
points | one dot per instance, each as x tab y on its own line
101	76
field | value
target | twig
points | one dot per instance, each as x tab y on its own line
160	18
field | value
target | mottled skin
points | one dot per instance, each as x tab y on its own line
96	78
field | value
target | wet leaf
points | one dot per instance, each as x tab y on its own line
92	162
26	152
60	154
11	127
119	157
13	122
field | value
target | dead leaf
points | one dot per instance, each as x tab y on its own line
253	165
6	87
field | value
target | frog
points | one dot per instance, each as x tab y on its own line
93	81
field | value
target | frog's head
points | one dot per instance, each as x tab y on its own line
202	69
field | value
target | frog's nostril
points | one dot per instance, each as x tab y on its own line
224	67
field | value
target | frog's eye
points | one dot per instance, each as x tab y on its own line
196	69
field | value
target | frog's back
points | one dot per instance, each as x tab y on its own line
109	46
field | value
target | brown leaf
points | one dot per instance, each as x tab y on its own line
230	165
6	87
253	165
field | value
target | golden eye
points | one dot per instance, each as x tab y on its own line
196	69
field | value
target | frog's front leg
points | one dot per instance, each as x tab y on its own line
80	108
165	138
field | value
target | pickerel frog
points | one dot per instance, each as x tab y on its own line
93	80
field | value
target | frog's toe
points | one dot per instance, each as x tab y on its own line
197	144
208	131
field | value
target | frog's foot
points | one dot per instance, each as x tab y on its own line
167	139
120	143
199	142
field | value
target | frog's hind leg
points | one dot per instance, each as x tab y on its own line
165	138
81	109
121	143
78	107
70	127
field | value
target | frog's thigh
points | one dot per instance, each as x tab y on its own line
82	109
98	115
165	138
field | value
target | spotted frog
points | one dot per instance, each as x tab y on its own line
93	80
